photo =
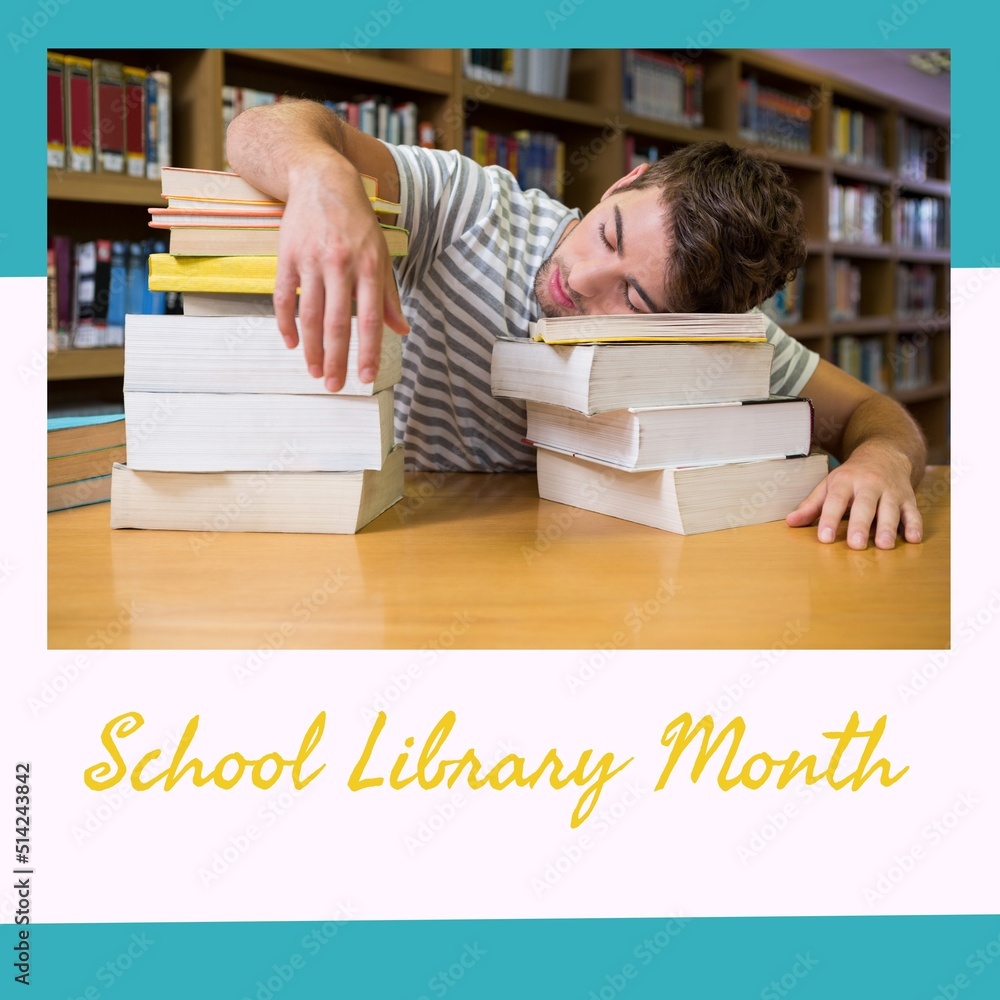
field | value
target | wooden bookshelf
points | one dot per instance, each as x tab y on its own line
593	123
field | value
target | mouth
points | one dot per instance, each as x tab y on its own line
558	291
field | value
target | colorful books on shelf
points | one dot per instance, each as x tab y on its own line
536	159
667	87
679	434
774	117
82	449
856	212
856	137
94	283
537	71
108	117
785	306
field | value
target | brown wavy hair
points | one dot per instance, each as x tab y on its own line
736	231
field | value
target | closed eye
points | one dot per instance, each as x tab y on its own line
602	232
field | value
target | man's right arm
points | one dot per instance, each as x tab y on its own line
330	246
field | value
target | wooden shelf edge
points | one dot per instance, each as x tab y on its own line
351	63
866	324
936	390
116	189
96	362
579	113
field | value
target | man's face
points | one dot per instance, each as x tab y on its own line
613	261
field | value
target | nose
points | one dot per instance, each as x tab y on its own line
588	278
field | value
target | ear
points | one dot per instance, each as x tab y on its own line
627	179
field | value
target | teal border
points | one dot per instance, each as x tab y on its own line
806	958
29	27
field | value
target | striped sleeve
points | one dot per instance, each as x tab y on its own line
793	364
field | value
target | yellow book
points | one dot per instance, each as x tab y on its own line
650	327
247	274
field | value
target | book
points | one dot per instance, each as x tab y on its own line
656	437
240	273
56	111
166	218
686	500
253	241
164	124
320	502
248	432
593	378
109	116
83	464
79	111
189	182
237	354
69	435
751	326
79	493
221	304
134	80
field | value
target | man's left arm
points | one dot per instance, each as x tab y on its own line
883	458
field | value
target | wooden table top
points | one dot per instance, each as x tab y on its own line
474	561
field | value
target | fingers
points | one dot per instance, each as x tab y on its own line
285	284
369	319
392	310
807	511
863	510
336	337
913	522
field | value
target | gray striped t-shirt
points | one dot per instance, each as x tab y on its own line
476	243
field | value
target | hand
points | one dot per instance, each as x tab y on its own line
331	248
875	483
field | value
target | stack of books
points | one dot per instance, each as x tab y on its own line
664	420
226	430
82	451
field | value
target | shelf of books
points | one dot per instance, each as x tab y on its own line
873	174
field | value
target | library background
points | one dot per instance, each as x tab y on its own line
873	174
